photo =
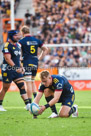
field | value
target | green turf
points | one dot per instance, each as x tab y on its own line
18	122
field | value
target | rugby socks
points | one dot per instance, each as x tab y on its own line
73	109
30	100
53	108
26	101
34	94
1	101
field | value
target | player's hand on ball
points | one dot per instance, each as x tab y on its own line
42	109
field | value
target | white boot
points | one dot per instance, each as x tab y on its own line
28	106
2	109
75	114
53	115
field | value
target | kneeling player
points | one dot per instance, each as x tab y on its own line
56	89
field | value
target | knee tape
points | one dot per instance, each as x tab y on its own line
20	85
27	78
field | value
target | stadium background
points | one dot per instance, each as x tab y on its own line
56	22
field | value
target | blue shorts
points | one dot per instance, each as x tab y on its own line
67	100
10	75
30	67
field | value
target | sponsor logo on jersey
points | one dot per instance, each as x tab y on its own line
17	53
59	86
4	74
32	43
55	80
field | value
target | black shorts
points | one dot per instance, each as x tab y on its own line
30	67
10	75
67	100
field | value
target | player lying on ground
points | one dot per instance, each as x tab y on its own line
56	89
12	52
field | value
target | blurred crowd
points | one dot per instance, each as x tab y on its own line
64	21
56	22
67	57
5	7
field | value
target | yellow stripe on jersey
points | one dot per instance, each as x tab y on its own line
6	45
5	48
55	80
30	65
73	97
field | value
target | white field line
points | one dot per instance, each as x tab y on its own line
79	107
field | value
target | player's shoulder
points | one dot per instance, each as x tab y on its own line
57	81
41	86
6	45
56	78
23	38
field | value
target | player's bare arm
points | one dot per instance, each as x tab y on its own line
57	95
38	97
11	63
52	102
9	60
43	53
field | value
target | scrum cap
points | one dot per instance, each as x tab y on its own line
11	33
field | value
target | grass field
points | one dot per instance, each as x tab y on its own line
18	122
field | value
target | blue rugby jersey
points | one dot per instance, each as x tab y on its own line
59	83
29	45
14	50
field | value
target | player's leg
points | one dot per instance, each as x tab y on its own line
64	111
20	84
34	89
49	96
28	87
67	110
3	91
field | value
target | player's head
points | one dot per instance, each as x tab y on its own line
25	30
46	78
13	35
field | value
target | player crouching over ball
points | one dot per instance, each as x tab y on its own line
56	89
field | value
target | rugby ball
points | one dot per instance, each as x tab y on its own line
34	108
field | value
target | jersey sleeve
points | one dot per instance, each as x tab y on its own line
59	86
40	43
41	88
20	42
6	49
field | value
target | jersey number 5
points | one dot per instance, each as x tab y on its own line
32	49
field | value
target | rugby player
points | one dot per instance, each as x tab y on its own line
29	46
12	69
56	89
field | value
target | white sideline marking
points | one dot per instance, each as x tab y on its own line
14	107
79	107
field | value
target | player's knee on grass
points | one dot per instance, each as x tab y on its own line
64	111
48	92
64	115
